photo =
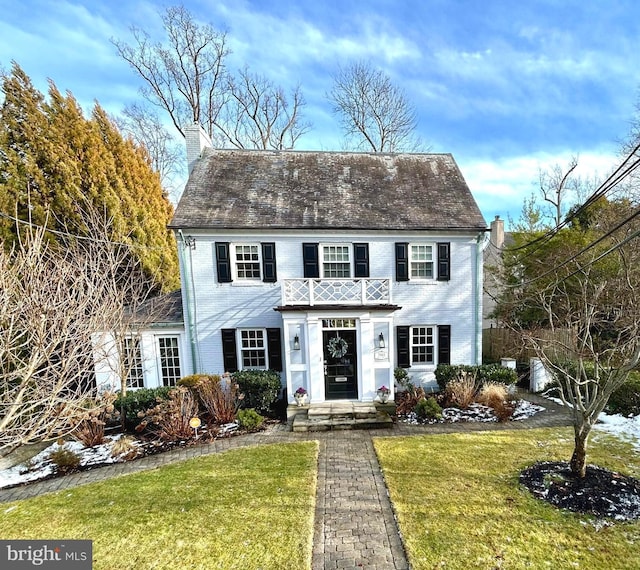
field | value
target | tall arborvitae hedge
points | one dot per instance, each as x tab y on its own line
55	165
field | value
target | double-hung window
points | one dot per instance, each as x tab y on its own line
422	345
421	261
247	261
336	261
133	363
253	348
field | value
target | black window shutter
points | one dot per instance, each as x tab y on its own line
269	274
444	344
402	262
310	260
444	263
274	348
403	348
229	350
361	255
223	262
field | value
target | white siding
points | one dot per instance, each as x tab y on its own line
233	305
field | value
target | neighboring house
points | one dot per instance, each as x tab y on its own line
330	267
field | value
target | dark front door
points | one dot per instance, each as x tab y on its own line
340	364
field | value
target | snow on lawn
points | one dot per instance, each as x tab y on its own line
627	429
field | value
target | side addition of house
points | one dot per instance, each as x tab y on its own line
330	267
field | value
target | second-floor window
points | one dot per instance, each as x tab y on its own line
247	261
336	261
421	260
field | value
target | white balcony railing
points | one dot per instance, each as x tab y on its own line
336	291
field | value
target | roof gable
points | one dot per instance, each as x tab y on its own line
241	189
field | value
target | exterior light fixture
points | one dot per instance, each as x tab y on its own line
296	342
381	343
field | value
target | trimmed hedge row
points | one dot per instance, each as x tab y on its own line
484	373
261	388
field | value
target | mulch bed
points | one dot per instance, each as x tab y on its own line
602	493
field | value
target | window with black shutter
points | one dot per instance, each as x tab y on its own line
310	260
444	261
223	262
361	257
402	262
229	350
274	348
402	347
444	344
269	274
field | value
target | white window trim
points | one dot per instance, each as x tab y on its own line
434	253
434	344
159	358
138	342
239	348
322	262
234	264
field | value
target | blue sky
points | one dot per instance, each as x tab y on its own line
506	87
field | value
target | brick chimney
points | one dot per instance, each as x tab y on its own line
196	139
497	233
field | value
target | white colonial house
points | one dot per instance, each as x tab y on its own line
330	267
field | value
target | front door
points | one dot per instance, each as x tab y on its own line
340	364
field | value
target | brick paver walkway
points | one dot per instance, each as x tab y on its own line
354	521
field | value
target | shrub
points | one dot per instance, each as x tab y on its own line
408	400
504	410
191	380
169	420
446	373
260	388
402	378
249	419
626	399
492	394
428	409
64	459
219	398
90	431
125	449
137	401
462	391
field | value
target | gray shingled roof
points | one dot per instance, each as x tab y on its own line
241	189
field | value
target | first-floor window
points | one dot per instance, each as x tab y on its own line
422	345
253	348
169	360
133	363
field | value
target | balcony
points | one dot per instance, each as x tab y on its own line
336	292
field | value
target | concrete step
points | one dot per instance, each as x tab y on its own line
306	422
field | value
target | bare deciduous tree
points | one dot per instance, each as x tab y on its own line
186	76
146	129
54	298
555	183
258	114
586	280
372	110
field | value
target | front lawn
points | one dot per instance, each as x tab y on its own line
245	508
459	503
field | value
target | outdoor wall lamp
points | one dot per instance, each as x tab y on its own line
296	342
381	343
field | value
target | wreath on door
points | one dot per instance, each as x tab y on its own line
337	347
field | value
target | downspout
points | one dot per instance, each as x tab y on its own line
185	272
481	245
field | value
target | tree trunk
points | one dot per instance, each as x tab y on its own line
578	463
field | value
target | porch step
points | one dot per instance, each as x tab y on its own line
340	416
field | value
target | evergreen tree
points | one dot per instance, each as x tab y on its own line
55	165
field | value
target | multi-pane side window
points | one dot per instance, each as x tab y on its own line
247	260
133	363
169	360
422	345
336	261
253	348
421	261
